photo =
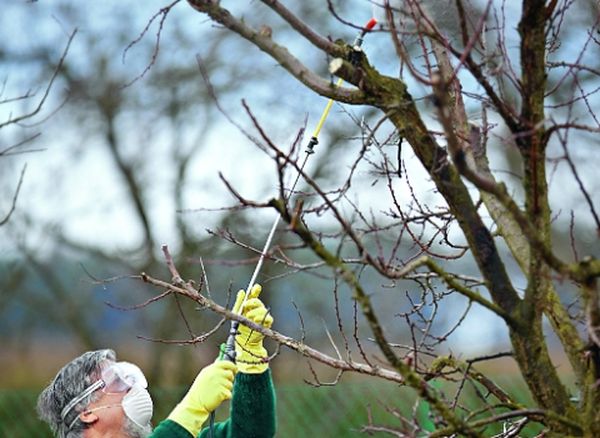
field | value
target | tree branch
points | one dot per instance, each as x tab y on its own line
15	196
40	104
279	53
187	290
539	415
303	29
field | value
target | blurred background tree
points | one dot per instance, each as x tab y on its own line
133	146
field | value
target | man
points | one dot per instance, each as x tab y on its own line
96	396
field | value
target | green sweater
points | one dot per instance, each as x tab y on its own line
252	413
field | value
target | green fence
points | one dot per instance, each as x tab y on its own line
302	411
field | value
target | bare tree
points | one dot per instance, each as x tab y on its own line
32	109
133	115
480	89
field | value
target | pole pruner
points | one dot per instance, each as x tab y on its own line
228	348
228	352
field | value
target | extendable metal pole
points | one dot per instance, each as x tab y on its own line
229	351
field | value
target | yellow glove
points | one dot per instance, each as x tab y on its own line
211	387
250	353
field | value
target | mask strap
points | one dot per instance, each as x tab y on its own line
89	411
97	385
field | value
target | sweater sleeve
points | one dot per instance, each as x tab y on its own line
252	412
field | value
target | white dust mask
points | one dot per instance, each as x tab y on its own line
137	405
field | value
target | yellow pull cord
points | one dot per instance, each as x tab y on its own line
326	111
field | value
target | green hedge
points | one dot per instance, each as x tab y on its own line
302	411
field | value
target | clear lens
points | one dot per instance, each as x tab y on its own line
121	376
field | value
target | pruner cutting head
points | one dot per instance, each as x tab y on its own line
367	28
356	47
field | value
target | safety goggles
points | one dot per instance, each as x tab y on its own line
115	377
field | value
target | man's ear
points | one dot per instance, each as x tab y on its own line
88	417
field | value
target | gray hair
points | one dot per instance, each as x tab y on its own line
70	382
